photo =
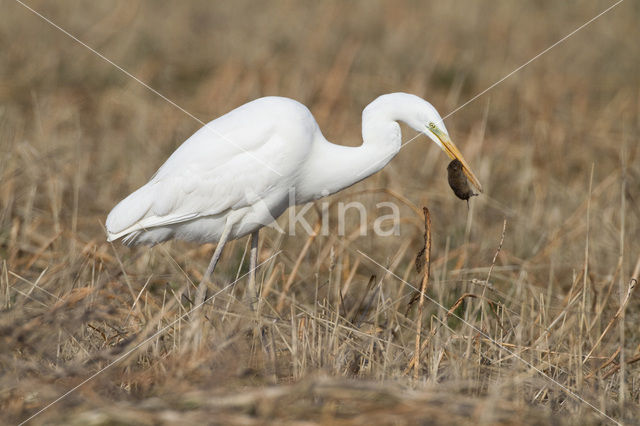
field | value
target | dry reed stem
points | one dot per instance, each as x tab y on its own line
434	330
495	256
76	137
632	285
296	267
423	289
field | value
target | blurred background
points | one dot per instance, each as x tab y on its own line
555	146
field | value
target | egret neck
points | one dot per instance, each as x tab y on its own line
332	167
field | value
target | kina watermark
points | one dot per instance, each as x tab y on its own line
342	217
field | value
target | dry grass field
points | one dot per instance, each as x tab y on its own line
531	326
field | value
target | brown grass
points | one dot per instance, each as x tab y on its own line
556	147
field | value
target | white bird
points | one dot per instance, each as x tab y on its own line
235	174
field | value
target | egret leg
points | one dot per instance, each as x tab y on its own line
254	301
253	262
202	288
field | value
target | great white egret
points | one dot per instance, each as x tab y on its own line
234	175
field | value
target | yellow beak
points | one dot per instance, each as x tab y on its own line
454	153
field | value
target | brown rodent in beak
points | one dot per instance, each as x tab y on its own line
458	181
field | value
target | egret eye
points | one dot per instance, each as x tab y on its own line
432	125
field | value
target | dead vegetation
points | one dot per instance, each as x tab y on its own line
529	315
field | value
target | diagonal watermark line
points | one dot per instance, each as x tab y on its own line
504	348
206	126
532	59
226	139
507	76
145	341
151	89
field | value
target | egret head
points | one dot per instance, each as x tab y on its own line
430	123
418	114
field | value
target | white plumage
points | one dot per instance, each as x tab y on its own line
239	172
209	178
239	169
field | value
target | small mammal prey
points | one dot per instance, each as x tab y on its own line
458	181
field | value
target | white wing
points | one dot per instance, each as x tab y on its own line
233	162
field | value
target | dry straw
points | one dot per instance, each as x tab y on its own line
336	341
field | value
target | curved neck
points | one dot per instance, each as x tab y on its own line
332	167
